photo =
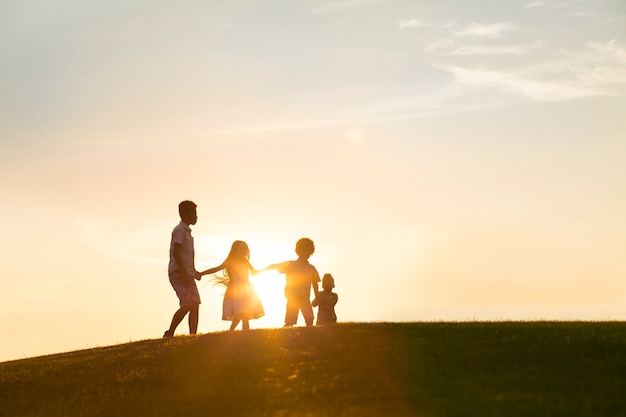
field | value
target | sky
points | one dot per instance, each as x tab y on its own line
451	160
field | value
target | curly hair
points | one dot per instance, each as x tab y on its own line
305	247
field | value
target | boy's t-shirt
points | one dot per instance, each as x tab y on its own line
299	275
182	235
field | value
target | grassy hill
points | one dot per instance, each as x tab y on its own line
352	369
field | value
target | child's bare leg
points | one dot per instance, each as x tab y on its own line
193	319
234	324
176	319
307	313
245	324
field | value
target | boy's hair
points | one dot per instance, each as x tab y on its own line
305	247
186	207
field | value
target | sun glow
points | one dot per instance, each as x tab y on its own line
270	284
270	287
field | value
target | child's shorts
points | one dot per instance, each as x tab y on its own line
188	295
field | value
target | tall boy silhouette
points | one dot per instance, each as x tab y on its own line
182	270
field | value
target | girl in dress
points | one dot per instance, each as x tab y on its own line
241	302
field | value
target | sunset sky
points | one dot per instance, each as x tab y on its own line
452	160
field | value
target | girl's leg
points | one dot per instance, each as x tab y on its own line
234	324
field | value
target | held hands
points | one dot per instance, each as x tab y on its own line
188	279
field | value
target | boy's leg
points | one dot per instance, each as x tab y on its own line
307	312
291	312
193	318
176	319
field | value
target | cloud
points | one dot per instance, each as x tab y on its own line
493	30
593	69
410	24
441	43
610	48
494	50
452	48
511	82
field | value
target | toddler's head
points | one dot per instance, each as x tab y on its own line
328	282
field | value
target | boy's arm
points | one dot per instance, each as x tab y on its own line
187	280
268	268
314	282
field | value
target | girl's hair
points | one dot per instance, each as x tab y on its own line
239	252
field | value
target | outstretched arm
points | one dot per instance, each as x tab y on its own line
252	270
267	268
212	270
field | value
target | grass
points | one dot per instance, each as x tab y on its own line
351	369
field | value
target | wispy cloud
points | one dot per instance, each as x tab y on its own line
493	30
441	43
410	24
595	70
490	50
610	48
590	70
447	46
514	83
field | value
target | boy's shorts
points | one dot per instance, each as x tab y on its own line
188	295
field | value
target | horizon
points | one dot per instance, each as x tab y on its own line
451	162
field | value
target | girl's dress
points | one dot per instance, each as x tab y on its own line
240	300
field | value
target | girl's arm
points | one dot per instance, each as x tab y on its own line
213	270
267	268
252	270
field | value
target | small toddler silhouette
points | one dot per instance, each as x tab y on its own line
326	301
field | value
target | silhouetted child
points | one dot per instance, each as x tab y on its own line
326	301
182	271
300	276
241	302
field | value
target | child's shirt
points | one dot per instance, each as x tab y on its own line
182	235
299	276
326	301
